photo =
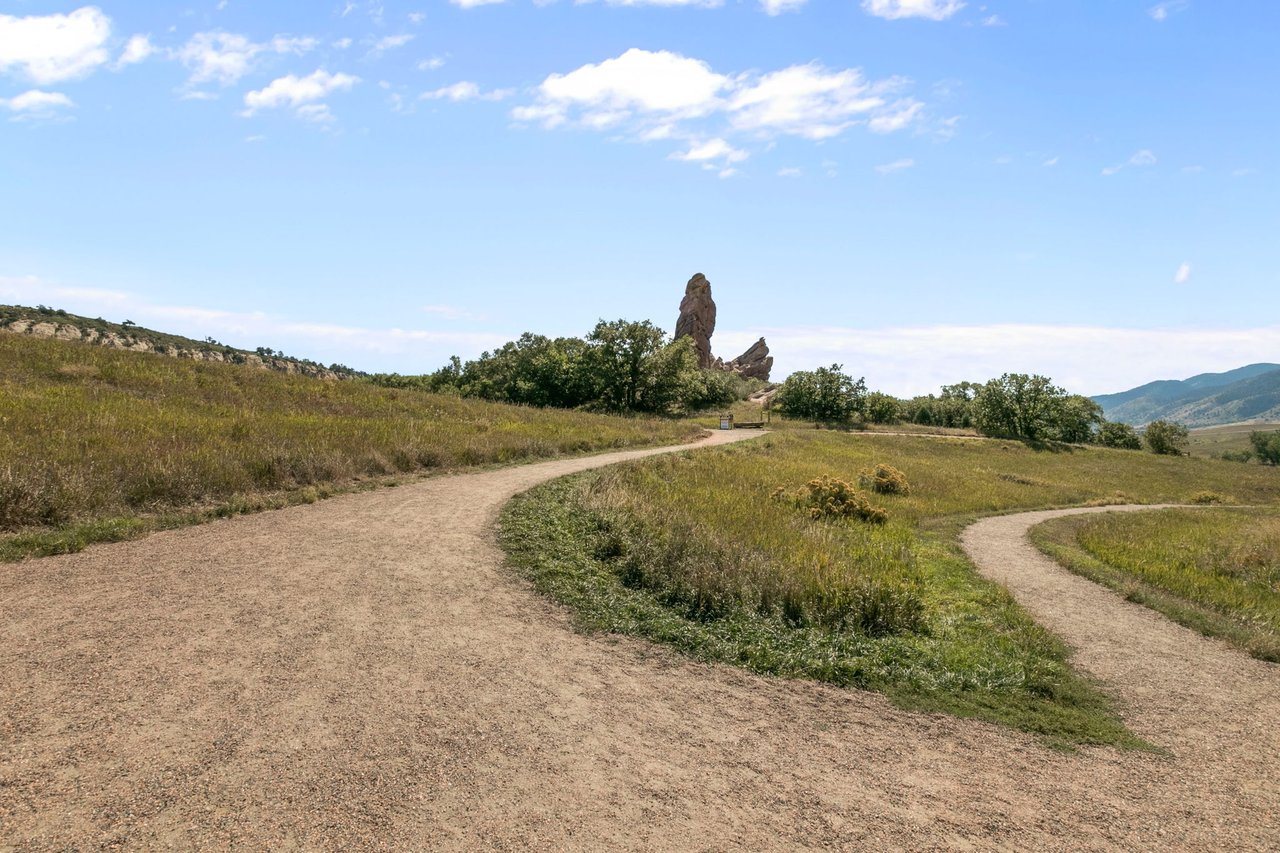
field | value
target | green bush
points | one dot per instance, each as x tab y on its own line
886	480
1119	436
1165	438
1266	446
829	497
825	395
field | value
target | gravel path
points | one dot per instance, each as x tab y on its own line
362	673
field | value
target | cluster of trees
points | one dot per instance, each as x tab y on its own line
621	366
1016	405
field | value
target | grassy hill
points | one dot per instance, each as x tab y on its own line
94	438
1250	393
44	322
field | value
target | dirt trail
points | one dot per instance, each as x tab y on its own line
363	674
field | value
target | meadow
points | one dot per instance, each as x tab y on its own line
99	444
1214	570
1212	442
713	553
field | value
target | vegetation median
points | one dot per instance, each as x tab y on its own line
747	555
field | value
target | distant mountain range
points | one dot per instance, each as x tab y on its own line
1250	393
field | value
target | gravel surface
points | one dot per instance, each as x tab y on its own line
363	673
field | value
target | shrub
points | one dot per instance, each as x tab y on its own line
826	395
1266	446
1208	498
829	497
885	480
1119	436
1165	438
882	408
1236	455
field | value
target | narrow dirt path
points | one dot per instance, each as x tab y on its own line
362	673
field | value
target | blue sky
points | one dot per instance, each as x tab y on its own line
923	190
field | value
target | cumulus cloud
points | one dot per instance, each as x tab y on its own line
52	48
471	4
386	43
711	150
706	4
1183	274
305	95
934	10
223	58
653	95
465	90
36	105
137	49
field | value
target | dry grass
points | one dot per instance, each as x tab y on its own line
88	434
1215	570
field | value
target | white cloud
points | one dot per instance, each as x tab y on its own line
1161	11
1143	157
343	43
466	90
653	95
431	63
810	101
52	48
303	94
638	81
136	50
1052	161
712	149
221	57
895	166
36	102
777	7
471	4
909	360
994	21
934	10
789	172
1183	275
386	43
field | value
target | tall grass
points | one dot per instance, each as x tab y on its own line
694	549
90	433
1214	570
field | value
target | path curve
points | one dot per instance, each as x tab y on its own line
363	673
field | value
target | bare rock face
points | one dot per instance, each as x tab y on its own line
755	363
698	321
698	318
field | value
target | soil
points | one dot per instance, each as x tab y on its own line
363	673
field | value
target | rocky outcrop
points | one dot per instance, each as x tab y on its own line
125	341
698	318
755	363
698	322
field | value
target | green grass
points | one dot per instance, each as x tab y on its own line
1216	571
1214	441
695	550
95	442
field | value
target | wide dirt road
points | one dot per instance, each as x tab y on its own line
363	674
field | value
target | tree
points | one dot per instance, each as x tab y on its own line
1076	420
882	408
637	370
1019	406
1266	446
1119	436
825	395
1165	438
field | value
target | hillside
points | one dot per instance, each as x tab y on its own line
94	438
43	322
1250	393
